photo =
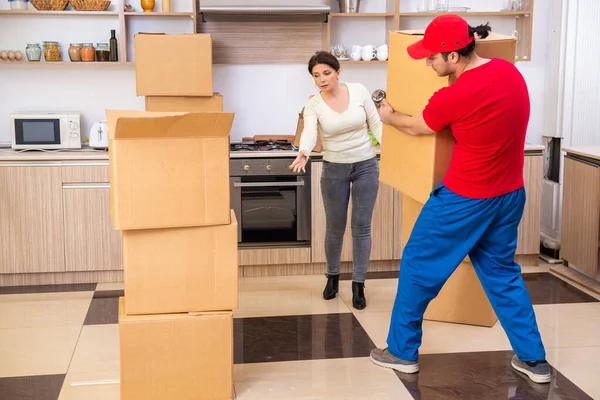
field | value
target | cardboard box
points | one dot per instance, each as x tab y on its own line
462	299
212	103
168	170
300	127
181	269
414	165
176	356
173	65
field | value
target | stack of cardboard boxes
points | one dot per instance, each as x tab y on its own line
415	165
169	175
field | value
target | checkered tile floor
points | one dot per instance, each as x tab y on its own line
61	342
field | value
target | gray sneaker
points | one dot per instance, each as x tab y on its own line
383	358
538	371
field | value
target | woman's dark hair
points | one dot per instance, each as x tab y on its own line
482	31
323	57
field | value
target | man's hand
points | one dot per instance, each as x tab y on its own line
385	112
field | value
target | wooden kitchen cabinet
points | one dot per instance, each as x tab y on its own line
31	218
581	215
91	243
530	226
382	228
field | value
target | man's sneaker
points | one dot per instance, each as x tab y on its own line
537	371
383	358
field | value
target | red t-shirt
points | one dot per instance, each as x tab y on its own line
487	109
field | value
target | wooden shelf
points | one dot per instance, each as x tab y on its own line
466	14
61	13
61	63
159	14
363	62
361	15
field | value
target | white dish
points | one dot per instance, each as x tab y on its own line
343	58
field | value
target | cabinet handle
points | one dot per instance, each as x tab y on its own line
31	164
86	186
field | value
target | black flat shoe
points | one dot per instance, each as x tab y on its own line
332	287
358	296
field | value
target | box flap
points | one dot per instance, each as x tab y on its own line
124	317
113	115
173	126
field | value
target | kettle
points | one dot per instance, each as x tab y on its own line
99	136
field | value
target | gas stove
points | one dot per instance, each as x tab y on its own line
262	148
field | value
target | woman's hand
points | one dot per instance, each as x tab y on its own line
299	163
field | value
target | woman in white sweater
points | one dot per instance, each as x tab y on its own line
344	113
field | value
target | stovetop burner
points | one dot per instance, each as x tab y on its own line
263	145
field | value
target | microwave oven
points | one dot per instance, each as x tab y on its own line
45	131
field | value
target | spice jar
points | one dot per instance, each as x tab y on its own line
87	52
33	52
52	51
102	52
75	51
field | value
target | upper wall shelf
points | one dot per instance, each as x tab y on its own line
61	13
361	15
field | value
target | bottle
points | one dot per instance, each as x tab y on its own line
114	53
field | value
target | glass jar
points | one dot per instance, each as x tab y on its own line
75	52
102	52
33	52
87	52
52	51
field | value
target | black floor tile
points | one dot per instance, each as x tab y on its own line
346	276
43	387
545	288
77	287
302	337
482	375
104	308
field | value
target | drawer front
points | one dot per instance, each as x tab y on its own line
88	173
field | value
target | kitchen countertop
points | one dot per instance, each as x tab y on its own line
584	151
6	154
63	155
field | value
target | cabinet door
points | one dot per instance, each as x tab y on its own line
31	218
397	247
382	228
530	226
91	243
581	215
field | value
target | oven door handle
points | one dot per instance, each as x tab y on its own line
267	184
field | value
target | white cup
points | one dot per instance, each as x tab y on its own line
383	48
356	49
355	56
368	53
382	55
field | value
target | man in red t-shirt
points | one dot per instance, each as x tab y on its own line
477	208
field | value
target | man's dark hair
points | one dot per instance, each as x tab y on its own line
323	57
482	31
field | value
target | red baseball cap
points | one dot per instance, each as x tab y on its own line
445	33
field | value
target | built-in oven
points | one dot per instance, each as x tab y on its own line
271	202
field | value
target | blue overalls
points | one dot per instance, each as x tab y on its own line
449	228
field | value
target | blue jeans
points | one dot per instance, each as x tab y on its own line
337	182
449	228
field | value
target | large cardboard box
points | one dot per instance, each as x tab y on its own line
414	165
462	299
212	103
176	356
168	169
173	65
181	269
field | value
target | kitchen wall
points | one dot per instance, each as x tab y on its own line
265	98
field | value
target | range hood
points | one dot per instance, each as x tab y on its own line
265	6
